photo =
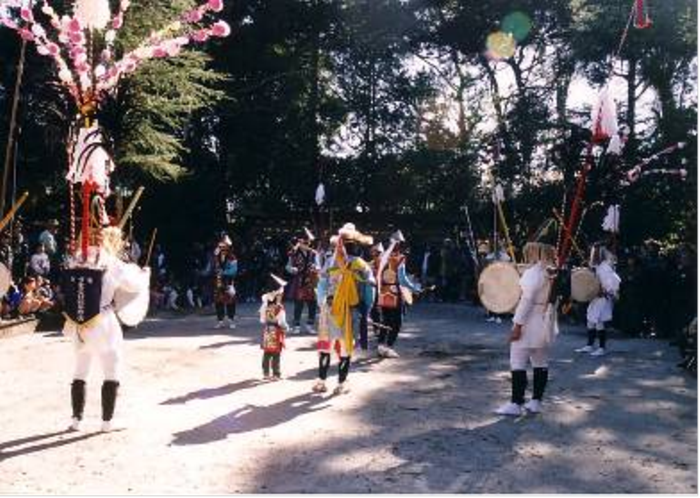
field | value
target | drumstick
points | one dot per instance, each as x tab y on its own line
378	325
150	246
567	232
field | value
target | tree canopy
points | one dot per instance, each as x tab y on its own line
392	105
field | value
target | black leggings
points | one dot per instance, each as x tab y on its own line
273	358
226	310
392	318
299	309
602	337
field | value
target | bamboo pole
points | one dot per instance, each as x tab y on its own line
13	125
130	208
150	246
11	213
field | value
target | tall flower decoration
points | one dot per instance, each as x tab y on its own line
82	47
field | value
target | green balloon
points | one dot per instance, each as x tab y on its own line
518	24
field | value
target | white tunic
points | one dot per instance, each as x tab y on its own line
600	310
534	313
106	334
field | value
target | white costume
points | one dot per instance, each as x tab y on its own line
102	337
535	329
600	310
537	316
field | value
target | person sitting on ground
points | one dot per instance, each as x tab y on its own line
39	263
10	302
32	301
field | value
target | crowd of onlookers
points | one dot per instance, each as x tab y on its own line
31	258
657	296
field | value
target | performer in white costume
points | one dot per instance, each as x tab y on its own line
97	290
600	309
534	330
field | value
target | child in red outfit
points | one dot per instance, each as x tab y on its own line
274	320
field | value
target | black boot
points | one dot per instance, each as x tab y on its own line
602	338
343	369
324	363
77	398
591	337
518	384
539	382
109	399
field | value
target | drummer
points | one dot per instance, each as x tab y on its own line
534	331
600	309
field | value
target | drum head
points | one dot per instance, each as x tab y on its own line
5	279
584	285
131	308
499	287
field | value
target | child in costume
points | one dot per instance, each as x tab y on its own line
600	309
534	330
274	320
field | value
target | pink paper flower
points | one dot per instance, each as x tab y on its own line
160	52
216	5
129	66
74	25
9	23
65	76
200	36
42	50
194	16
76	37
53	49
38	31
173	49
221	29
26	14
118	21
26	34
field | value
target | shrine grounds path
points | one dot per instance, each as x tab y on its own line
199	419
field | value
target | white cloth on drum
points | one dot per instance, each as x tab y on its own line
534	313
600	310
105	338
519	356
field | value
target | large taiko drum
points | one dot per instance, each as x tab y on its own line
499	287
5	279
584	285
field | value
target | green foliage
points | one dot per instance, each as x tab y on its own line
391	104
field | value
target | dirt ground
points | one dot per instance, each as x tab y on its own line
199	419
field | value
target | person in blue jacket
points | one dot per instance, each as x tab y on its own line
225	271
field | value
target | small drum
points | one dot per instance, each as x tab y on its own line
499	287
584	285
5	280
